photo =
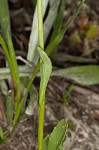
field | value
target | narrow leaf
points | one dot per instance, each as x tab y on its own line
5	27
1	133
59	20
16	77
58	135
45	69
33	42
85	75
60	35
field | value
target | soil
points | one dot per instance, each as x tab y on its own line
80	106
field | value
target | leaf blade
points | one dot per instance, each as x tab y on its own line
58	135
86	75
45	69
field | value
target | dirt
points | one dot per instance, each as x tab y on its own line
80	106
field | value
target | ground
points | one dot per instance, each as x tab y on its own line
80	106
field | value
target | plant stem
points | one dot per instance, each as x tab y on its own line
40	24
41	105
41	124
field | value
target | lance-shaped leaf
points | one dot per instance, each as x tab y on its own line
45	144
58	135
33	42
48	23
85	75
61	34
45	70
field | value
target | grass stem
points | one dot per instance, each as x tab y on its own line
41	105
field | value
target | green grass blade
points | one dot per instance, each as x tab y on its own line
6	33
60	36
16	70
59	21
32	54
3	44
51	17
12	64
5	20
85	75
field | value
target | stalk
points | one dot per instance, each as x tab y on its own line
40	24
41	105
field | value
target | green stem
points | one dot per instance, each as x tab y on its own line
41	105
41	124
40	24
